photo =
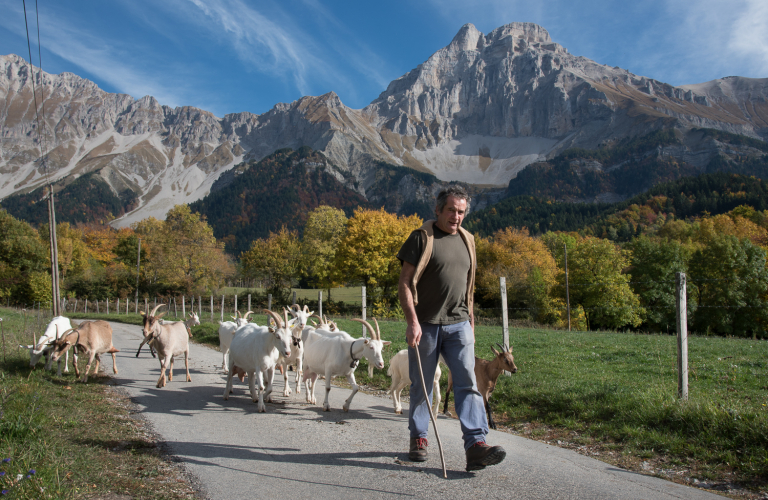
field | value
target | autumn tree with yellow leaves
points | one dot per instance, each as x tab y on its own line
530	272
367	251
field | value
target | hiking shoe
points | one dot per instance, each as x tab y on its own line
418	451
480	455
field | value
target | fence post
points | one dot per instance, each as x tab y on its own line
86	305
211	308
222	308
249	302
127	302
567	292
294	298
200	305
118	305
504	312
146	309
183	307
97	307
364	308
269	301
320	303
682	337
235	302
107	305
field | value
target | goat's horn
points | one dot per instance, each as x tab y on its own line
318	317
367	326
294	307
247	314
237	314
274	316
378	332
155	309
285	313
306	308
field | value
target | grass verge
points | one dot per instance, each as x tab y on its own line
67	440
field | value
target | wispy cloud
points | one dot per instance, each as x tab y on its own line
103	59
260	41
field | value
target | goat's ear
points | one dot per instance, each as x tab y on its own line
26	346
272	329
386	342
161	314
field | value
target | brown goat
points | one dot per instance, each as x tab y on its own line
93	338
486	374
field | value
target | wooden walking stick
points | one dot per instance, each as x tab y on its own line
431	415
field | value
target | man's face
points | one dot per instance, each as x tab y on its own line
453	213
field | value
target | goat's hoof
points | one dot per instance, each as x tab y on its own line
399	412
326	408
345	408
189	379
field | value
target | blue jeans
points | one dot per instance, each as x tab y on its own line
457	345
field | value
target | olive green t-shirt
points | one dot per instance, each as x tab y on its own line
442	289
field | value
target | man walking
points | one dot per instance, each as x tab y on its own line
436	292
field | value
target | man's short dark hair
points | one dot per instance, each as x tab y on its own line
455	191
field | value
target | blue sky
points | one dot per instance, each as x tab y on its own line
228	56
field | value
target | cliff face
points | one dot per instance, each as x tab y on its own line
479	110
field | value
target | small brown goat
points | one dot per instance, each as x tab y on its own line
486	374
93	338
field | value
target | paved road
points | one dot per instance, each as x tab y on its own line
298	451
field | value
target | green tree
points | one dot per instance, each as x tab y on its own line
731	287
22	254
598	284
654	264
276	261
324	230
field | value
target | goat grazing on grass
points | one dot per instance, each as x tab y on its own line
398	370
193	320
44	346
338	355
92	338
486	374
255	351
169	339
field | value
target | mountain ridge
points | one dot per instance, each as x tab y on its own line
479	111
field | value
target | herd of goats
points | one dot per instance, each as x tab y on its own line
313	350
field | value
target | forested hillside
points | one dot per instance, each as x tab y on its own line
633	166
86	199
280	190
708	194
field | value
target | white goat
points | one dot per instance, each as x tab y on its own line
170	340
338	355
44	346
255	350
227	331
193	320
300	315
93	338
398	370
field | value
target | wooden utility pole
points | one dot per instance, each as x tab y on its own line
55	292
682	337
